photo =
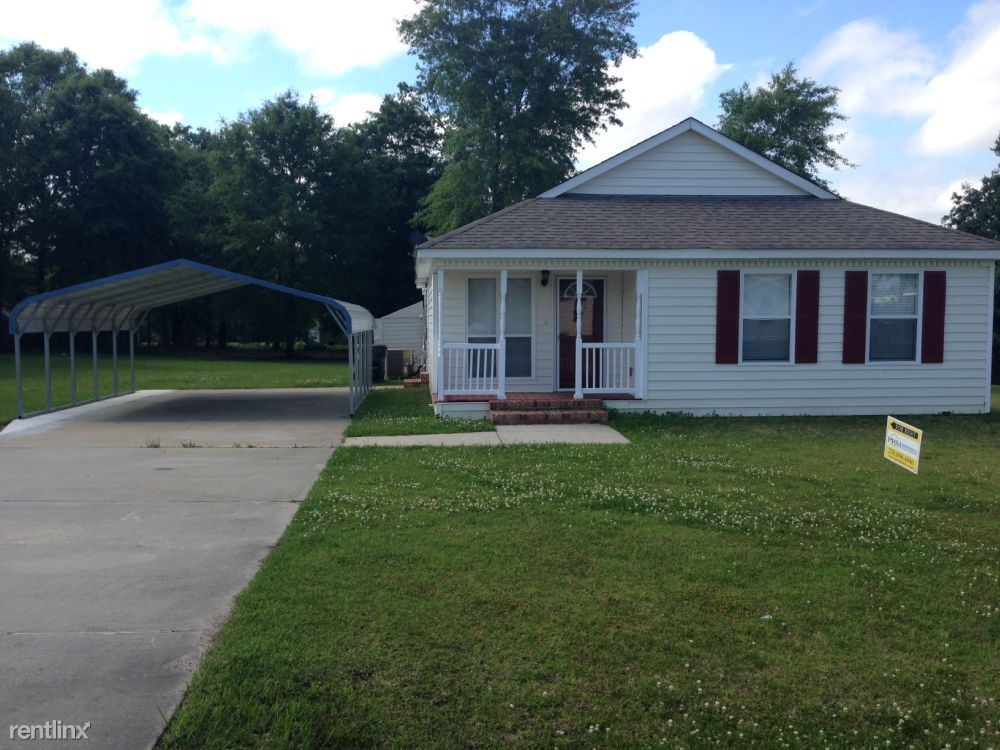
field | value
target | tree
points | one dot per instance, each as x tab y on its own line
519	86
296	199
788	121
401	143
27	76
977	210
85	172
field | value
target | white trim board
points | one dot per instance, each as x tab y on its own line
640	255
690	124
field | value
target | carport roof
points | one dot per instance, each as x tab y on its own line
112	302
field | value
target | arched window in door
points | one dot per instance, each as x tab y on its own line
589	292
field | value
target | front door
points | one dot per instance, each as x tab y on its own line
593	323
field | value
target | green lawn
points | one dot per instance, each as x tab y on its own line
197	370
406	411
749	582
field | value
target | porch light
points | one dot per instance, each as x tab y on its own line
545	278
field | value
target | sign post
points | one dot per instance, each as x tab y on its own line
902	444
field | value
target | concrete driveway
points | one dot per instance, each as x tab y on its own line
119	561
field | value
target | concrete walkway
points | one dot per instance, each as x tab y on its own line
118	562
504	435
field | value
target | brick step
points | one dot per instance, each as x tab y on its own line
547	404
561	416
425	377
413	383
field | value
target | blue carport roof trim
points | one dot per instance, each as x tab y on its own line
112	302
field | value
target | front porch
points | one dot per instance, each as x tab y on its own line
555	333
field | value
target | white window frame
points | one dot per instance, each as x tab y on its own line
917	352
792	291
496	323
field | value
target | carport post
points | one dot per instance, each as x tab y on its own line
17	375
72	367
114	357
97	379
48	373
350	370
131	353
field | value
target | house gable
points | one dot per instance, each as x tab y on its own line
688	159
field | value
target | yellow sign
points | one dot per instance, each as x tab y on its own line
902	444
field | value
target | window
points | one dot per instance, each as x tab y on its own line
589	291
482	320
482	311
767	317
518	330
893	319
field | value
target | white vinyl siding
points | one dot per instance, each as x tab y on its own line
683	376
689	164
402	329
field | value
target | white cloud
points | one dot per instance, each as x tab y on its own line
662	86
857	147
885	71
330	37
923	191
878	70
170	117
114	34
346	108
921	120
963	100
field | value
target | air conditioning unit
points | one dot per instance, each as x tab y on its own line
399	363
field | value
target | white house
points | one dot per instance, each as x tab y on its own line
690	274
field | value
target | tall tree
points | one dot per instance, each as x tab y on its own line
28	74
401	143
519	85
85	171
295	196
789	121
977	210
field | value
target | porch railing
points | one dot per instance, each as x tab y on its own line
469	369
607	367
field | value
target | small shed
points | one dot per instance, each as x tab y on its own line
403	331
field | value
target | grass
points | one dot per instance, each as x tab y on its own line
406	411
735	583
196	370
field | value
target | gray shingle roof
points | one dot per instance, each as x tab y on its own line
701	223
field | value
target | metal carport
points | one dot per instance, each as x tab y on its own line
121	302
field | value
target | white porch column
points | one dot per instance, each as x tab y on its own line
502	340
636	383
439	334
578	373
642	312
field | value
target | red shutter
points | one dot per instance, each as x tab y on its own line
932	341
807	317
855	316
727	318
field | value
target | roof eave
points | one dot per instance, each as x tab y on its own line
426	257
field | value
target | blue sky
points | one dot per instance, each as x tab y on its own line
920	80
